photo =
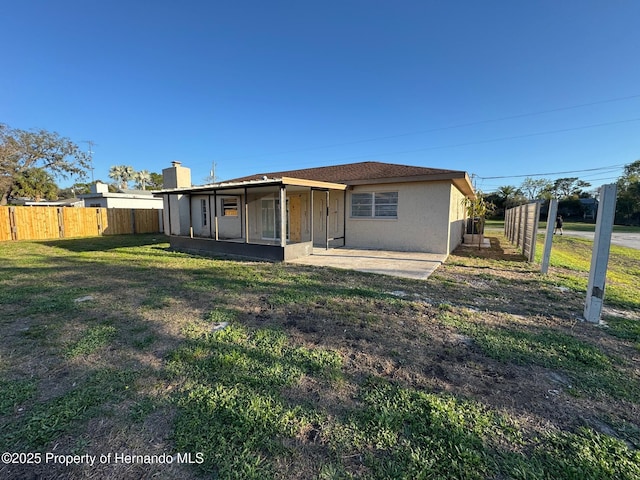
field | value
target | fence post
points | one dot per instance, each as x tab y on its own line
507	224
600	253
99	220
548	239
60	222
13	227
133	220
534	232
525	229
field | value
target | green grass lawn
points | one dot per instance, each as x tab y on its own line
572	257
259	370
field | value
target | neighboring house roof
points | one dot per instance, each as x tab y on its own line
129	191
136	194
69	202
363	173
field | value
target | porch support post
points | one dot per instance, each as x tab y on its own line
326	225
210	212
283	216
246	216
311	207
215	212
190	216
344	218
166	223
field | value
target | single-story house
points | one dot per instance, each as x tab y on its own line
284	215
100	196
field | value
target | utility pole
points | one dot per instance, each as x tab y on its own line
91	143
212	174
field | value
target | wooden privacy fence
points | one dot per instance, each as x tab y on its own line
521	228
42	223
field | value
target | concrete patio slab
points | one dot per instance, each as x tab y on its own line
416	265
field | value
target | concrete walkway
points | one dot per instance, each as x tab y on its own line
416	265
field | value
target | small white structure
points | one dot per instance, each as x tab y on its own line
101	197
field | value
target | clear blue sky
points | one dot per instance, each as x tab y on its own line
258	86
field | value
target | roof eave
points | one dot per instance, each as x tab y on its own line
297	182
459	178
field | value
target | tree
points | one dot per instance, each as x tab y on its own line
142	178
507	191
511	196
156	181
477	209
22	150
534	188
568	188
121	174
628	202
631	175
74	190
35	183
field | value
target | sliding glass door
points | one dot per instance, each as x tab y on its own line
270	219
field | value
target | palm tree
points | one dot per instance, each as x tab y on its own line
115	173
508	195
121	174
507	191
142	178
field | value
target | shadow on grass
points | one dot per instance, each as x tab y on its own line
500	250
106	242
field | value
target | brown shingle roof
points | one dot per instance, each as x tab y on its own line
362	172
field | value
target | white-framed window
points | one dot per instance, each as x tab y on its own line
230	207
374	205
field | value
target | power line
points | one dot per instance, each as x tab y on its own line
492	140
493	187
554	173
448	127
602	179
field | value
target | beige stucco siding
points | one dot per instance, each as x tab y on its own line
176	214
456	218
422	224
